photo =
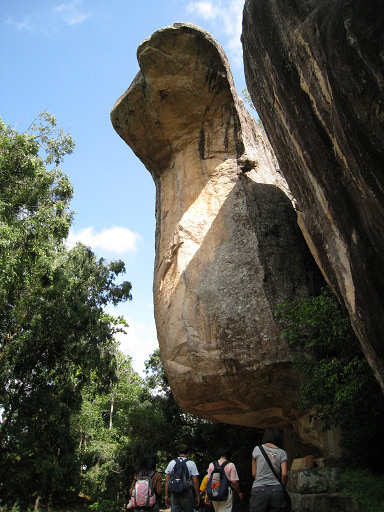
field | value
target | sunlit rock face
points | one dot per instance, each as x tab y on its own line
228	248
315	71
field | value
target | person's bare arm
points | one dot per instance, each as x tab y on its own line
235	486
254	468
195	482
167	498
284	473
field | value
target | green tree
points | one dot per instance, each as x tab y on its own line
338	385
54	333
104	431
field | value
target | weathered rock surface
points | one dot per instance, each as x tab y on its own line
304	437
314	480
316	489
324	503
315	71
228	248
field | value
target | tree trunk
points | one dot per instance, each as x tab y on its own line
111	412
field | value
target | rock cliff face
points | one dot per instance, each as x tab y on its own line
314	69
228	248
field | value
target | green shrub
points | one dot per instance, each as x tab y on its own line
368	487
104	506
14	508
338	384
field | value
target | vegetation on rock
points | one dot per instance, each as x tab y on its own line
339	387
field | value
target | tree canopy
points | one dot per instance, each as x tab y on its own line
54	333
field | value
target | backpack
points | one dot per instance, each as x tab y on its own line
218	484
143	494
179	481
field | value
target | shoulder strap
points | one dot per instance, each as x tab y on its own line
269	463
142	474
187	469
182	462
216	465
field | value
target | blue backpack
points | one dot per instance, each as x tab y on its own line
179	481
218	483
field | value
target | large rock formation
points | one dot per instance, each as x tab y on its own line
228	248
314	69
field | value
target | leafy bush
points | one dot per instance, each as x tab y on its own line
367	487
12	508
104	506
338	386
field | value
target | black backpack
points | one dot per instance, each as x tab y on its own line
179	481
218	484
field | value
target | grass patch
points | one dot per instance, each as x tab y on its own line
368	487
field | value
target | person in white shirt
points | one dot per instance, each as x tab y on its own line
186	501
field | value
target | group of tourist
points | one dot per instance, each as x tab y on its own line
182	490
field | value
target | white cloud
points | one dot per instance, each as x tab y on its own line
71	12
139	342
205	9
116	239
227	16
26	24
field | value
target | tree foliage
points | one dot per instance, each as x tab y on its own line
54	333
116	427
339	387
105	432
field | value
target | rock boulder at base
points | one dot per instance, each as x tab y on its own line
314	480
324	503
315	71
316	489
228	248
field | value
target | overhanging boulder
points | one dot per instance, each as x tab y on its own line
228	248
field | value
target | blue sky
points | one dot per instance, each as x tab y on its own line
75	58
